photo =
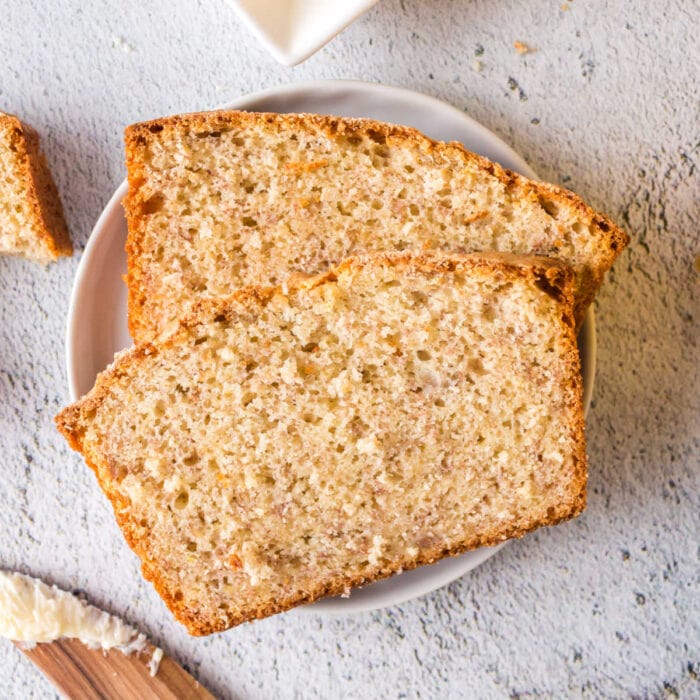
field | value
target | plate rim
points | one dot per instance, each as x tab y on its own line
333	606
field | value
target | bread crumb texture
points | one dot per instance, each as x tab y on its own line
31	215
291	442
224	199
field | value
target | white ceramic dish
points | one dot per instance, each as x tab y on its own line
292	30
97	316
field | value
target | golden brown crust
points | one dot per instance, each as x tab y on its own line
553	277
614	241
41	189
138	135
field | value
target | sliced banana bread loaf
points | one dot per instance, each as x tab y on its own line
31	216
219	200
292	442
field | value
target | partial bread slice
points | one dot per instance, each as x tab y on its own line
219	200
289	443
31	215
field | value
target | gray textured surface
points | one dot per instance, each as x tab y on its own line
606	606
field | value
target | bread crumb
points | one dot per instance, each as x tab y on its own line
523	48
564	7
119	42
477	65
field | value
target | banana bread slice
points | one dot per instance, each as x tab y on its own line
220	200
289	443
31	215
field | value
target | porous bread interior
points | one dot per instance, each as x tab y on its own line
22	232
301	443
232	199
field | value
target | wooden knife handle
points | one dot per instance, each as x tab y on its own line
80	673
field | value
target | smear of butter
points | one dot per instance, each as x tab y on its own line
32	612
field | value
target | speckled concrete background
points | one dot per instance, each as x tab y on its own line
606	606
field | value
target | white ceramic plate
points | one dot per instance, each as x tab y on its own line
97	317
292	30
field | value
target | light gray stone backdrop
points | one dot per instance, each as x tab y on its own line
608	105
